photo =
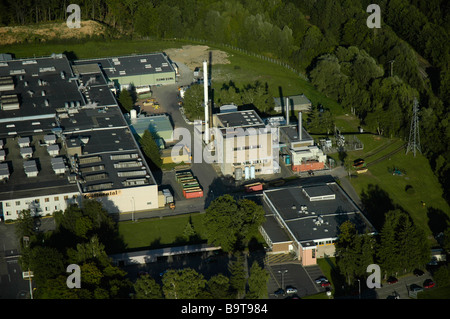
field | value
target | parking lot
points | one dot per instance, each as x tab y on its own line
291	275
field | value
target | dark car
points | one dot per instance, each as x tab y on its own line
428	284
279	292
418	272
392	280
415	288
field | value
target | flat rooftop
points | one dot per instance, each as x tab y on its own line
47	182
291	132
40	84
141	64
315	212
240	119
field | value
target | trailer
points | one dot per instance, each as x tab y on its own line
255	187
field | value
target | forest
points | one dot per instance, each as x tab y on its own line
373	73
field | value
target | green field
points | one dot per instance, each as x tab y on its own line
157	233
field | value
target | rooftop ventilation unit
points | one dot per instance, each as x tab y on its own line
30	168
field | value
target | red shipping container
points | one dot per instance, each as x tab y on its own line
193	194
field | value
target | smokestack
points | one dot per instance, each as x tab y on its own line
287	111
300	125
205	86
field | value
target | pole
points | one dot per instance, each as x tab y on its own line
359	285
31	284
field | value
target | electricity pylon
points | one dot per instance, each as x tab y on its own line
414	139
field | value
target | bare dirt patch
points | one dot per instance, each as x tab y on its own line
48	31
194	55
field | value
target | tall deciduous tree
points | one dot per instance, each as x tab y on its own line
183	284
232	224
147	288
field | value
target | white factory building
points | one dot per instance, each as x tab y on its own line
63	139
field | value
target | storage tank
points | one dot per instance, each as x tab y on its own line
238	174
252	172
133	114
247	172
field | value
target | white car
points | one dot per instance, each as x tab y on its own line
291	290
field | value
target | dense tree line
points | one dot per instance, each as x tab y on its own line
399	248
83	236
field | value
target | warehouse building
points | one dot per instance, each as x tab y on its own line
306	220
136	70
63	139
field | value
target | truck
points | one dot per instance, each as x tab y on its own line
168	198
254	187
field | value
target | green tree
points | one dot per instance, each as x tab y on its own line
193	103
403	246
24	226
126	100
232	224
257	282
219	287
346	250
183	284
46	263
147	288
150	148
238	274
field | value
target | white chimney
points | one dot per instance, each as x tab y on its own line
300	126
205	86
287	111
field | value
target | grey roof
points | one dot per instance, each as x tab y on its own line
115	67
317	219
294	100
240	119
291	132
273	229
40	86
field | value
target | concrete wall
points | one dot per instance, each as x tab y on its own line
128	199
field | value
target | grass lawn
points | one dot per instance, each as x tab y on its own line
90	49
435	293
157	233
245	69
418	175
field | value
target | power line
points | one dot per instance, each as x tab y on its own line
414	139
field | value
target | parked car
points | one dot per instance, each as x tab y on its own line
279	292
415	288
418	272
428	284
321	279
291	290
392	280
325	284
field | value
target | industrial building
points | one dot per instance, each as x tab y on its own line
63	138
300	152
294	103
306	219
141	70
159	124
244	146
